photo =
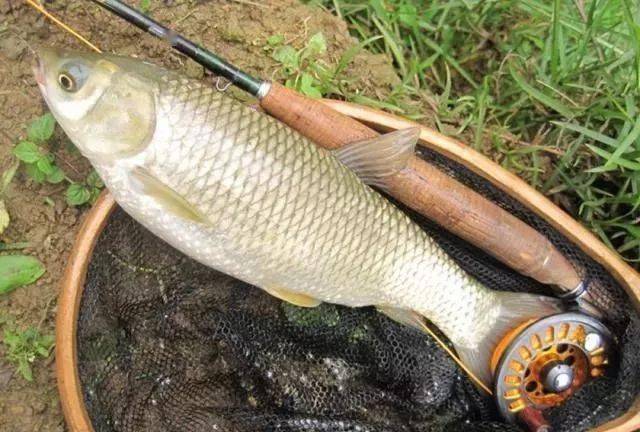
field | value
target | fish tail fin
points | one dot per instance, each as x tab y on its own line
516	310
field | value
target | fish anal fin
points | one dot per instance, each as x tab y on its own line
403	316
170	200
297	299
375	159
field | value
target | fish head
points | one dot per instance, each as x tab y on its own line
101	102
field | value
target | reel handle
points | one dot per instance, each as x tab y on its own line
433	193
534	420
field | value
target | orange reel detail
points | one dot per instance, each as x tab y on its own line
541	364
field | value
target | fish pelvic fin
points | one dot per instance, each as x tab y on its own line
375	159
301	300
516	309
170	200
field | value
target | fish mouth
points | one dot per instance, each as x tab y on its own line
38	72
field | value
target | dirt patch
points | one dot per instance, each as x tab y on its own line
236	30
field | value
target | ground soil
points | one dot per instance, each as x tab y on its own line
237	30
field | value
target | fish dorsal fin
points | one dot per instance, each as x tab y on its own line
170	200
293	298
375	159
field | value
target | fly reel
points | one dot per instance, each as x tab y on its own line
542	363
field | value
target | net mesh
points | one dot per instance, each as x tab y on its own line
166	344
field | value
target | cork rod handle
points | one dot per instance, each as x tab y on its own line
434	194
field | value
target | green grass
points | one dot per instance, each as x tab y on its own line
548	88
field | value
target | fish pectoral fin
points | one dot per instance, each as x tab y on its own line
301	300
170	200
403	316
375	159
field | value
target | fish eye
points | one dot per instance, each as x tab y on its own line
66	82
72	77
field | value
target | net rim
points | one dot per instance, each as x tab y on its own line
69	300
67	373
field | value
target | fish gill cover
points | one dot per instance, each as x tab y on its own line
166	344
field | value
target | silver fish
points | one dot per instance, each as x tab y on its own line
242	193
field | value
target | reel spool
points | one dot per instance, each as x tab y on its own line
542	363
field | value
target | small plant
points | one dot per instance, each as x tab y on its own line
24	347
303	69
85	192
40	163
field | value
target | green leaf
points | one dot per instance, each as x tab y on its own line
555	40
95	193
307	87
13	246
56	175
379	8
145	5
25	369
17	271
541	97
632	229
94	180
317	45
8	175
78	194
408	15
624	144
588	133
27	152
275	40
287	56
44	164
607	156
4	217
34	172
41	129
11	339
47	342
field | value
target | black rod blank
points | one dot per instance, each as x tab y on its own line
192	50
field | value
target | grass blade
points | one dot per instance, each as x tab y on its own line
541	97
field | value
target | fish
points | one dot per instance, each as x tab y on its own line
242	193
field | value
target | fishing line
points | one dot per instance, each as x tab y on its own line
455	358
430	332
44	12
